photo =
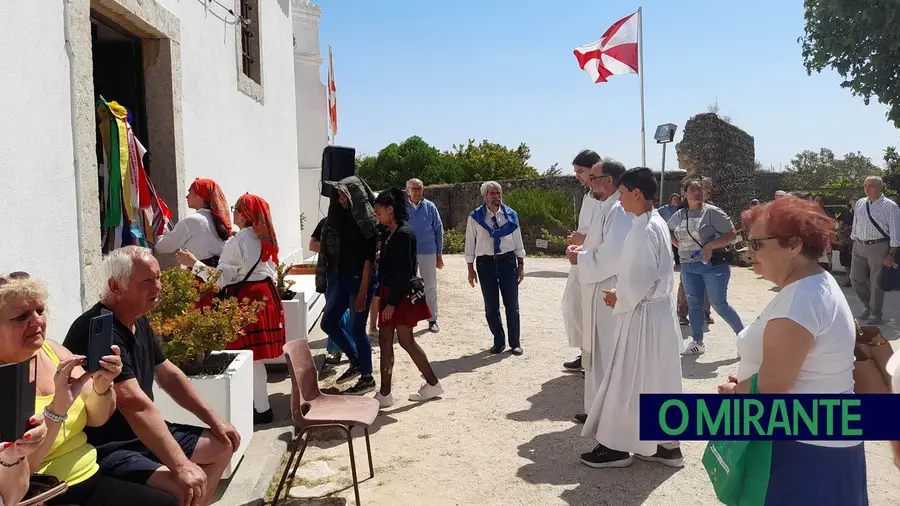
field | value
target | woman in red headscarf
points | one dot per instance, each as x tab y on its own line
247	270
202	233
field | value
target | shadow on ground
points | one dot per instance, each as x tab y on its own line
547	274
692	368
467	363
555	461
558	400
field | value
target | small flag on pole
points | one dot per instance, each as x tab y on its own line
332	96
615	53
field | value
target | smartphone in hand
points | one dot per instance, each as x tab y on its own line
17	390
100	341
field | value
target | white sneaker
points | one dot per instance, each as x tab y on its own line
427	392
694	348
384	401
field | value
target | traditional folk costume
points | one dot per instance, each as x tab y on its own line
597	263
247	270
646	344
132	212
202	233
571	302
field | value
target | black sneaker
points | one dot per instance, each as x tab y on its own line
333	358
263	418
709	320
601	457
517	351
683	321
580	418
349	375
363	386
574	365
497	349
433	327
669	457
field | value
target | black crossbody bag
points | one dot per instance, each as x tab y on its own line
875	224
720	256
229	290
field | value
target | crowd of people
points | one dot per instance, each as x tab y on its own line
802	342
378	257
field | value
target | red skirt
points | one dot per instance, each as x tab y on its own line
265	338
406	314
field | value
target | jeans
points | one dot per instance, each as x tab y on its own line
330	346
712	280
499	277
340	296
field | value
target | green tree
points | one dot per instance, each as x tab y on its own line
397	163
892	168
552	171
810	170
858	39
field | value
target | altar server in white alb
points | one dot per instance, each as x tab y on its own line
597	260
571	302
647	338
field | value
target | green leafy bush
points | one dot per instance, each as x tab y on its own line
543	214
454	241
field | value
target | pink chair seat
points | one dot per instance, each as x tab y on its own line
340	409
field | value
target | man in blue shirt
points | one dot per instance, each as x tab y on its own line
426	223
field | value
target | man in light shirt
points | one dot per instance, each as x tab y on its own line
495	254
426	224
876	237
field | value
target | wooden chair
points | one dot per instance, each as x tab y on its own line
311	410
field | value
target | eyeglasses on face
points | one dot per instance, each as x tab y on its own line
601	176
14	275
756	243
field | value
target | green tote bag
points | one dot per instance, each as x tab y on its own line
739	470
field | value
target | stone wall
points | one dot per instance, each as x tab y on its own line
715	148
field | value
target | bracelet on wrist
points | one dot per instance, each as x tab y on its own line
49	414
105	392
14	464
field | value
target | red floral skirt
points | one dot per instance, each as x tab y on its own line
406	314
265	338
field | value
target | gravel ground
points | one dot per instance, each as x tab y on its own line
502	434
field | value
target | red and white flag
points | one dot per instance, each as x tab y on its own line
332	95
615	53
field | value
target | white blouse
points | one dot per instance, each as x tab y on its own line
195	233
237	258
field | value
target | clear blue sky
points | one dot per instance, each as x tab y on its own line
503	70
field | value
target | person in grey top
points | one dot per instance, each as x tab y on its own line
701	231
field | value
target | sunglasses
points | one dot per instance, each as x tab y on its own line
757	242
14	275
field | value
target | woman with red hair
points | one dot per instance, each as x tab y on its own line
801	343
202	233
247	270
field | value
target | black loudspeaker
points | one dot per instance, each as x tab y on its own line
338	162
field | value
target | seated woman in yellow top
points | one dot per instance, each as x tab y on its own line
68	397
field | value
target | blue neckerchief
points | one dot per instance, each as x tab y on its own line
512	223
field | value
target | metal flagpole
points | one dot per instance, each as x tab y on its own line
641	74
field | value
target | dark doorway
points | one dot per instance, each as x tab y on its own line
118	77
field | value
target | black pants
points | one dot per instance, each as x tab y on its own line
105	491
499	278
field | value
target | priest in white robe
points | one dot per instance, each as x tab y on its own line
571	301
647	339
596	261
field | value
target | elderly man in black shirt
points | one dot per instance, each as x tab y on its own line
137	444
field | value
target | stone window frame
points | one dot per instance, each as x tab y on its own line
246	83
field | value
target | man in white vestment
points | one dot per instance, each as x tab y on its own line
647	340
571	301
596	260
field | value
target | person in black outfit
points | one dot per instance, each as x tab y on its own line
350	280
397	267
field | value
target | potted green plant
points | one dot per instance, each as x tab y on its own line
194	338
282	283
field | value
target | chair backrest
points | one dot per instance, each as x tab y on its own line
304	377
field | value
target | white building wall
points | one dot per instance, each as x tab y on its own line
244	145
38	224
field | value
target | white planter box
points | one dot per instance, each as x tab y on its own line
229	395
301	312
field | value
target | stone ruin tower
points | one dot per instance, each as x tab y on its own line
715	148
